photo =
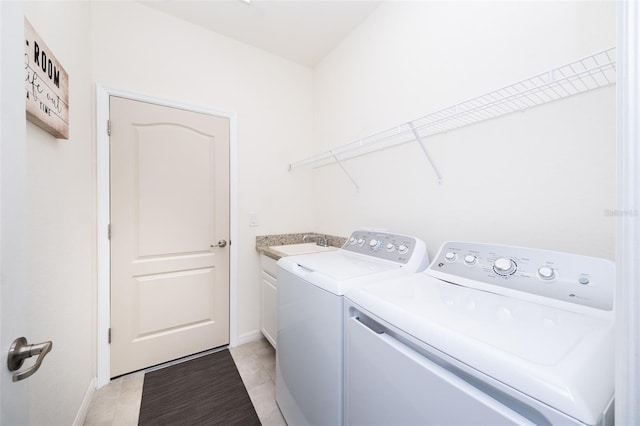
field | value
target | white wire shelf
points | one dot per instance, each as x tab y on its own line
589	73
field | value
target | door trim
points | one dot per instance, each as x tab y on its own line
103	206
627	409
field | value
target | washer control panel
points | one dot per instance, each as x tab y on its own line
393	247
519	271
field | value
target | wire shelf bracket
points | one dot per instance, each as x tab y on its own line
426	152
583	75
346	172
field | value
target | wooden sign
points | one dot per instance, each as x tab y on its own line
46	84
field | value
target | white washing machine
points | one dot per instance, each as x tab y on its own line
487	335
309	359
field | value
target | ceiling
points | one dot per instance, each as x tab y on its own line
303	31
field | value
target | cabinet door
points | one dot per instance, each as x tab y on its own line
268	322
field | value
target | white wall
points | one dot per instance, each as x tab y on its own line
60	225
142	50
543	178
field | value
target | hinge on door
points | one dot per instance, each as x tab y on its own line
109	231
109	127
109	335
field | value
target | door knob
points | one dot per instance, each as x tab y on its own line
221	243
21	350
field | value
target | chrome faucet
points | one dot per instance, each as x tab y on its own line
322	241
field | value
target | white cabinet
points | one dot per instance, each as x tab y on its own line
268	296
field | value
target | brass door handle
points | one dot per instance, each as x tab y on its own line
21	350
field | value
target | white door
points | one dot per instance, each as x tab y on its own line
14	406
169	212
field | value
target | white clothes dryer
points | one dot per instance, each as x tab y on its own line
487	335
309	359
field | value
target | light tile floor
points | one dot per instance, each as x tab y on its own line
118	403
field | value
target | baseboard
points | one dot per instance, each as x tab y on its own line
86	402
249	337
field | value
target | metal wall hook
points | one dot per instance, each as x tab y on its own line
21	350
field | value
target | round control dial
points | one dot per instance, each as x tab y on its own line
374	244
390	248
504	266
470	259
360	241
450	256
403	249
546	273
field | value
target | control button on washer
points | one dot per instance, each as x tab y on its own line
583	280
374	244
450	256
390	247
403	249
503	266
360	241
470	259
546	273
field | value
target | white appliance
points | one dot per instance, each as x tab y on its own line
487	335
309	359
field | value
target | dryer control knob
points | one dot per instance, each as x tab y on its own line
390	247
352	240
403	249
360	241
546	273
503	266
374	244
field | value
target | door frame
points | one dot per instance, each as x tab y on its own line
627	380
103	207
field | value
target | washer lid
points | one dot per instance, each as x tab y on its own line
337	271
343	266
561	358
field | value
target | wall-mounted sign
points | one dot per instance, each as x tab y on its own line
46	84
